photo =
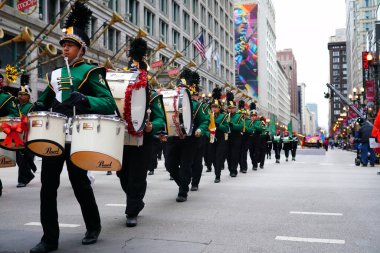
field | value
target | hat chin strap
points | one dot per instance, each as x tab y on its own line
76	57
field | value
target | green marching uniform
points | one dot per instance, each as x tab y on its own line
136	160
216	150
8	108
245	142
234	142
258	146
89	94
180	153
287	145
25	158
277	145
294	143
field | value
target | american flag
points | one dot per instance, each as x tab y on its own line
200	46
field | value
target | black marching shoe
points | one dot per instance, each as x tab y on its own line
261	167
43	247
286	159
151	172
131	221
109	173
91	237
181	198
277	161
208	170
243	171
254	168
20	185
233	174
217	180
293	159
194	188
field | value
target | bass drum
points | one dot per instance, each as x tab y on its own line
7	158
179	112
97	142
119	82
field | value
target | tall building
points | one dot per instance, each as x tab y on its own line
289	64
175	22
314	109
309	122
301	106
283	97
361	17
338	75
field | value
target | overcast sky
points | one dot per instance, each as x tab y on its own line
305	26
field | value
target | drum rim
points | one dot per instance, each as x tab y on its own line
3	119
45	113
98	116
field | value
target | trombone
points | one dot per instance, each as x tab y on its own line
25	35
161	45
115	19
3	3
50	50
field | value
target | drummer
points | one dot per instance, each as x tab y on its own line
25	158
135	161
89	95
8	108
180	152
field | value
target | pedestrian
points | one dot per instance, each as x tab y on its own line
364	134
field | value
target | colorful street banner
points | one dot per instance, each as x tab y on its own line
370	90
246	54
272	124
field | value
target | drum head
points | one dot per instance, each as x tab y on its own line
96	161
187	116
45	148
139	102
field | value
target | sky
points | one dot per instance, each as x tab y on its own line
305	26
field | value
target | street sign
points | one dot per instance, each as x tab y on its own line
23	5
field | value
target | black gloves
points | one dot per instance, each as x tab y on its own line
78	99
38	106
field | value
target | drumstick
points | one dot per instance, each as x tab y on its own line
149	111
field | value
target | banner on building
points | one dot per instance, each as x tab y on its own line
26	7
370	90
245	29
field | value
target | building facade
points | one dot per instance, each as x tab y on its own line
283	101
176	23
289	64
301	106
309	122
313	107
338	77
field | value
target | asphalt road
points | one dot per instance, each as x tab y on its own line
320	203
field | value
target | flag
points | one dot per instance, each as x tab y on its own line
200	46
272	125
209	56
290	128
217	59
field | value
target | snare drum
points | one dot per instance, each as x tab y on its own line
46	137
7	158
10	121
118	83
97	142
179	113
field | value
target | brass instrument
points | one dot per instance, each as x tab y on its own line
191	64
1	33
115	19
161	45
50	49
25	35
45	62
3	3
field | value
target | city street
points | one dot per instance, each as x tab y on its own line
320	203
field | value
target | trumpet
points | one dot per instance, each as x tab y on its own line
1	33
191	64
3	3
115	19
161	45
26	35
50	49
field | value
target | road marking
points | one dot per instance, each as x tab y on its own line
62	225
327	164
313	240
117	205
317	213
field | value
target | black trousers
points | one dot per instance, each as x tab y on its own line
294	150
26	166
197	166
50	179
245	142
286	152
216	153
133	174
234	147
277	152
155	154
179	158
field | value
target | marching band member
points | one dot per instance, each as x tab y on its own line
180	153
287	144
294	142
217	149
197	165
89	94
277	145
257	149
8	108
269	146
245	138
135	163
234	139
25	158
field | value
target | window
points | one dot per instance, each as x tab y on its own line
336	60
132	10
186	45
195	7
113	5
51	11
195	28
336	53
111	39
186	22
203	14
209	4
163	31
149	21
216	7
209	21
41	8
175	9
164	6
176	38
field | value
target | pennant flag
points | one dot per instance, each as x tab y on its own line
217	59
200	46
272	125
290	128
